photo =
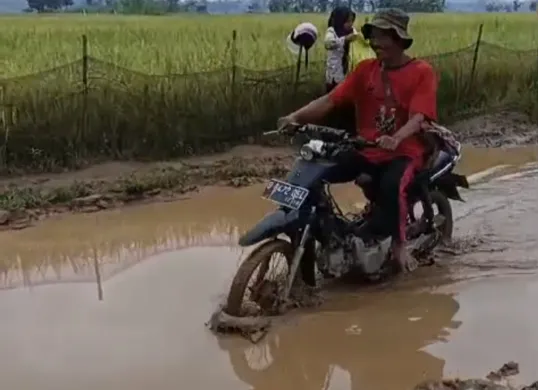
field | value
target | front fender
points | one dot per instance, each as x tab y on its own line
270	226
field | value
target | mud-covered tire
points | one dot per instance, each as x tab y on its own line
445	209
248	266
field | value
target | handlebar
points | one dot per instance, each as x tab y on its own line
333	138
295	128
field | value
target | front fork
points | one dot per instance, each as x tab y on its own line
299	252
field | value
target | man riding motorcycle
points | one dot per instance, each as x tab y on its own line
395	97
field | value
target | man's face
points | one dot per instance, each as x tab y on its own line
384	44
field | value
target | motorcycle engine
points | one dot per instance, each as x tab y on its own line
369	259
340	258
337	259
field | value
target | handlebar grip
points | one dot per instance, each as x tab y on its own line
362	143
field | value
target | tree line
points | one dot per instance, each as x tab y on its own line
513	6
201	6
156	7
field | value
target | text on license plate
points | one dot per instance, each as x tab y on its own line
285	194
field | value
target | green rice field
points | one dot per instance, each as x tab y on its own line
140	94
179	44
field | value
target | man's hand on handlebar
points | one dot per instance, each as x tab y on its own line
286	123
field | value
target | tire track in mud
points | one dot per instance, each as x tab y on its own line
495	229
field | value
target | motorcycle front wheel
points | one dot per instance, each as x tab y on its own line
264	295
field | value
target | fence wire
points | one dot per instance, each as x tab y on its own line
94	109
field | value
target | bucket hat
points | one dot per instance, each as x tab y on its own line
390	19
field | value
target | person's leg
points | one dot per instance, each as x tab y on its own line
395	178
348	166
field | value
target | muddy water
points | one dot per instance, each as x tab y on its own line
477	159
67	248
148	331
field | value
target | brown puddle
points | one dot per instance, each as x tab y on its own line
477	159
66	248
394	339
148	332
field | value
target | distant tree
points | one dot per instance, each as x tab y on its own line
323	5
254	7
516	5
358	5
532	6
48	5
312	5
201	8
144	7
494	6
187	6
280	5
172	5
409	5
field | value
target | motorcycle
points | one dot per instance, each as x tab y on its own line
318	235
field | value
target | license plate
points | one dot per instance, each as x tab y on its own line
285	194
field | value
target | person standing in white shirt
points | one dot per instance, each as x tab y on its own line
340	33
338	38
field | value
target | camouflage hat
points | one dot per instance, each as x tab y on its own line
390	19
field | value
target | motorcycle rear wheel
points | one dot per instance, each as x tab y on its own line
259	258
445	209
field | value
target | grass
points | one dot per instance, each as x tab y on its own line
46	121
180	44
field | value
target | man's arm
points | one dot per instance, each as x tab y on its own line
423	106
314	111
343	94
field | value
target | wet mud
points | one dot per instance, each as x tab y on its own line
496	226
161	269
501	129
27	199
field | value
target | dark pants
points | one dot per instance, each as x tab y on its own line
342	117
390	180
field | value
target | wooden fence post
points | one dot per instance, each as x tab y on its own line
475	55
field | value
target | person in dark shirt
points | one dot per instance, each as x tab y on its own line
394	96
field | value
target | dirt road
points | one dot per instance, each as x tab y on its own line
466	316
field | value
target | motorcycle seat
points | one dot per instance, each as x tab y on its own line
443	159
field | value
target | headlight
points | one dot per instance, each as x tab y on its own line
306	153
312	149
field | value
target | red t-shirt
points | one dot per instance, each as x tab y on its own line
414	91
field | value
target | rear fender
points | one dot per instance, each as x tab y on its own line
448	184
270	226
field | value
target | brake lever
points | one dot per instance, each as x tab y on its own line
271	132
288	129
